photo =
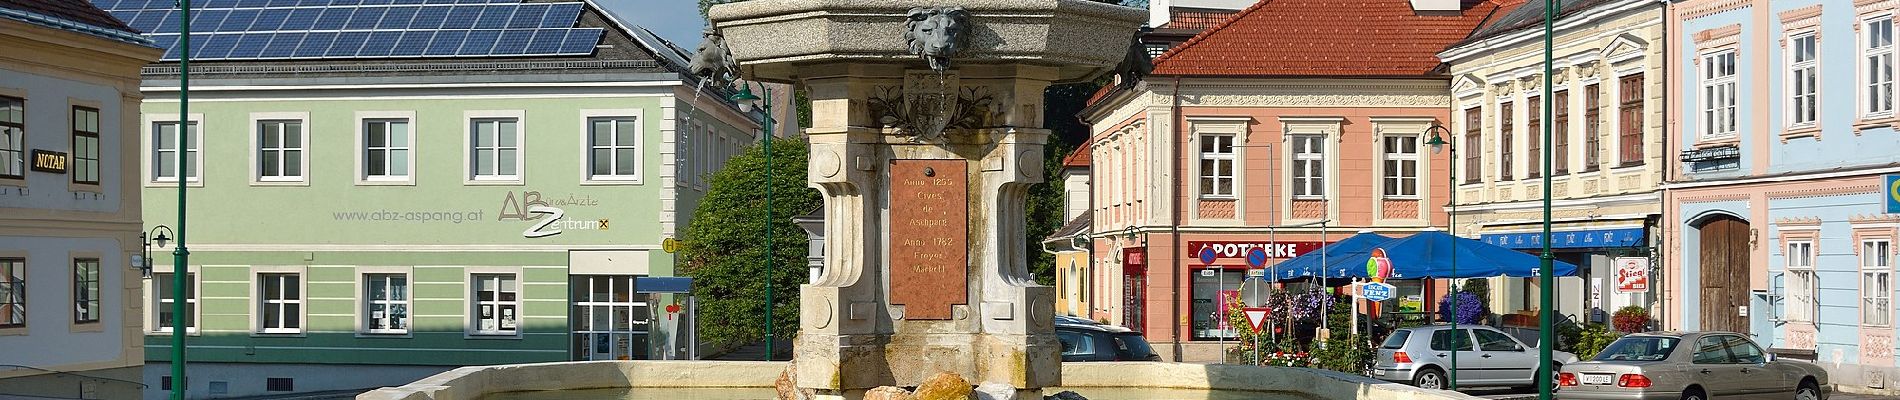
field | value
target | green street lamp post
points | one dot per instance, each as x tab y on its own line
180	257
747	102
1545	277
1439	144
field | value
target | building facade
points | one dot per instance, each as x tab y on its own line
1785	153
1075	268
359	219
69	201
1283	150
1607	157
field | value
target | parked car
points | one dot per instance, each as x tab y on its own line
1421	355
1097	342
1690	366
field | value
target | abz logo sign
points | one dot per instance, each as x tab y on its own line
552	219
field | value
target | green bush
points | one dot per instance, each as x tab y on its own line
1585	340
725	245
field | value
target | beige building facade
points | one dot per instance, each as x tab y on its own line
69	203
1607	152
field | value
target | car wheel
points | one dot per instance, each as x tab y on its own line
1693	394
1429	378
1808	391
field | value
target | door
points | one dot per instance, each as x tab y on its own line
1714	367
1725	274
609	320
1761	381
1469	370
1502	359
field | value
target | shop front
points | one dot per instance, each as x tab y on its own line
1613	259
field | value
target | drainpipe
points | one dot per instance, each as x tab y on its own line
1662	232
1174	214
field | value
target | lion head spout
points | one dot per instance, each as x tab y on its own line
936	34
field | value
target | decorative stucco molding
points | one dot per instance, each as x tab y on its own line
1714	198
1319	100
1823	192
1714	38
1872	6
1693	9
1874	219
1798	223
1803	17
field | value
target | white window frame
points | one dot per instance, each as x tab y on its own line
1797	69
588	328
369	281
639	146
162	303
1202	189
1399	174
361	149
1299	183
475	304
1801	284
258	120
263	300
1876	272
1716	89
1862	86
148	133
469	173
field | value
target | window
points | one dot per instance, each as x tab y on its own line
12	292
388	304
1505	134
610	321
496	149
280	306
1592	136
1535	130
166	142
1446	339
278	384
164	282
1490	340
1876	274
1401	166
1743	351
386	147
280	150
1217	166
1876	48
1474	137
12	138
613	151
1801	79
86	290
1711	350
1309	165
1629	118
1560	131
1075	343
85	166
1718	95
1209	299
496	304
1801	282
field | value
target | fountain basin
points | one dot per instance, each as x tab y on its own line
746	380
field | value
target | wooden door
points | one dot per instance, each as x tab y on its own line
1725	276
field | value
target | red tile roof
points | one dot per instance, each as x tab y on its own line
1078	158
1345	38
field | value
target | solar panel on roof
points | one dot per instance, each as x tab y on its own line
512	42
379	43
334	18
249	45
301	19
366	18
429	18
314	44
412	43
239	21
580	41
376	2
461	17
282	45
494	17
204	21
252	3
283	3
275	29
218	46
217	3
397	18
445	43
527	16
347	44
561	15
479	42
271	19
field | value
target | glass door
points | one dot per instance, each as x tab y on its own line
609	321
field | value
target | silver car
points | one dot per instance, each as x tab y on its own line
1421	356
1690	366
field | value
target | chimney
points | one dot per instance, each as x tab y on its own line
1435	5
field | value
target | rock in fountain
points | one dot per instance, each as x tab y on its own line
926	136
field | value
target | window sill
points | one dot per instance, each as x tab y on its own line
385	182
383	335
87	327
492	336
1883	121
13	331
493	182
82	187
627	181
15	182
196	183
1218	198
193	332
278	334
295	183
1626	166
1717	141
1805	130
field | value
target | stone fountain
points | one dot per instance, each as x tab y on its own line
926	136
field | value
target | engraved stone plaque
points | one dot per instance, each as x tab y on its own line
930	252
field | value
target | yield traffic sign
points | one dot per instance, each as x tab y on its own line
1256	316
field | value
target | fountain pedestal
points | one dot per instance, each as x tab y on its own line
925	138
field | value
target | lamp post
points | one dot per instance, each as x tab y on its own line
1439	144
747	102
180	256
1545	277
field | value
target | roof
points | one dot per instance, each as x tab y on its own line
1528	15
363	29
75	15
1078	158
1339	38
1075	226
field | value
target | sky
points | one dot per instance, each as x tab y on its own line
675	20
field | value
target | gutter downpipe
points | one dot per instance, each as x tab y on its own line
1662	232
1174	213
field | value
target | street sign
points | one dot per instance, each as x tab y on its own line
1257	257
1207	256
670	245
1256	316
1377	291
1632	274
1255	292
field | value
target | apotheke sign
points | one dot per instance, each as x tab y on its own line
1237	251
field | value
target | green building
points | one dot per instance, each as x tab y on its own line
406	188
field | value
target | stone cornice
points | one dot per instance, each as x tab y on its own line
1823	192
1693	9
1714	198
1725	36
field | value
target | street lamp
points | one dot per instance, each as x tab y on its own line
146	239
1440	145
747	102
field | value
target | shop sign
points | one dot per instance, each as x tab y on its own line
49	161
1594	238
1632	274
1236	250
1134	261
1712	153
1893	194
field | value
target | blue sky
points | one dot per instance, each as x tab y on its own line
675	20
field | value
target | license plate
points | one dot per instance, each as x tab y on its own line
1378	372
1596	379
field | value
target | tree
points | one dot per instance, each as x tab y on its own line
725	250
